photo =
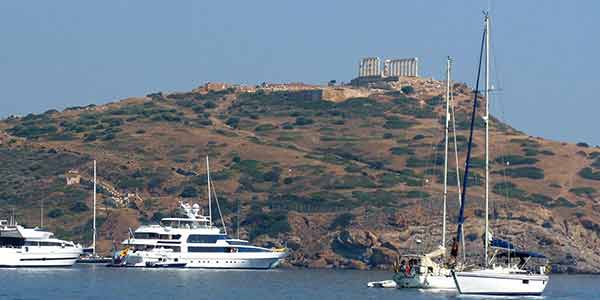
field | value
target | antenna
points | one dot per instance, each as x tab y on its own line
94	225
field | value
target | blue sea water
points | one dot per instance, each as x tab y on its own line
98	282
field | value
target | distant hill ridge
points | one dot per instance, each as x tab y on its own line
346	177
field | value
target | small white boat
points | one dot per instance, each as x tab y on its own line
382	284
34	247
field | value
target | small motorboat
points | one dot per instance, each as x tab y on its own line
165	264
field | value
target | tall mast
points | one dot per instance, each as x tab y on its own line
449	65
42	213
94	221
487	133
209	194
463	197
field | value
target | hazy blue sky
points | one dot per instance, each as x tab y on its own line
55	54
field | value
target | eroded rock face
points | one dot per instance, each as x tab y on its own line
382	258
357	249
377	249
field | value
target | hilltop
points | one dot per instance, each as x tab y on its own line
346	178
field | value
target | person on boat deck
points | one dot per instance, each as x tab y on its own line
453	253
522	262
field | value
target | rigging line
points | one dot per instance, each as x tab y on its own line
458	178
461	217
501	108
218	207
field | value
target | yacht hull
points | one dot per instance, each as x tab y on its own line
499	284
32	257
206	261
426	281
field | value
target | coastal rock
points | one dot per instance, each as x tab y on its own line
382	258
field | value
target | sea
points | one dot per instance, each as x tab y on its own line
99	282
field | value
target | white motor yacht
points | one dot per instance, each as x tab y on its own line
34	247
193	242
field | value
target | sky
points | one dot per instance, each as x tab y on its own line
56	54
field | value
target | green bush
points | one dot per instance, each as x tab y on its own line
210	105
596	164
56	213
531	151
540	199
301	121
79	207
514	160
90	137
233	122
583	191
435	100
524	172
378	198
61	137
157	216
251	167
264	127
128	182
588	173
32	131
509	189
408	90
436	159
353	168
361	108
406	176
271	224
352	182
108	137
341	221
395	122
417	194
563	202
402	151
189	192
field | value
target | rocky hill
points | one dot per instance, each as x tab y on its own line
346	183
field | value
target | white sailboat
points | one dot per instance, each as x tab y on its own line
494	279
431	270
89	254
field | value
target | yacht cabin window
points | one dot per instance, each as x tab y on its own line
205	238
